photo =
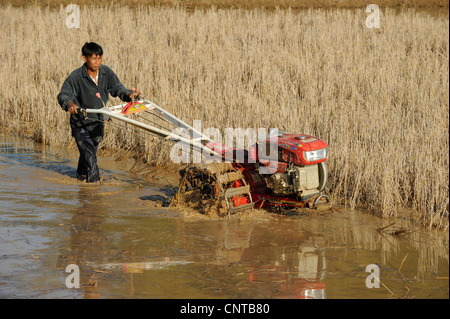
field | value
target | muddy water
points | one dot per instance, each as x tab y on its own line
126	246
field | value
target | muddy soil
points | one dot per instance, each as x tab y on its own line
127	243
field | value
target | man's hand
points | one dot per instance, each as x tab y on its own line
135	94
73	108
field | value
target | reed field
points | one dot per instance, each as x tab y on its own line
379	97
242	4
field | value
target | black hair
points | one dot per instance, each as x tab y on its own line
90	48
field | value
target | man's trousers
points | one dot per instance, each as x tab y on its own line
87	163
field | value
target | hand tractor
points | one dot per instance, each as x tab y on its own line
295	177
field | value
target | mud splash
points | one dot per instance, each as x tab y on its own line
127	246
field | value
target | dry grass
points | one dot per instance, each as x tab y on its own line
243	4
378	97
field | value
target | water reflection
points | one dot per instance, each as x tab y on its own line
277	258
246	259
127	248
299	271
86	242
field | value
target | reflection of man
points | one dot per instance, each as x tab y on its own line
84	88
86	240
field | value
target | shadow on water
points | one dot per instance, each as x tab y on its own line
127	247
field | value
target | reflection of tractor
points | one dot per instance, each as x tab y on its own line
294	174
280	265
300	274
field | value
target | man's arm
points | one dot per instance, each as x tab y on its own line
117	88
67	97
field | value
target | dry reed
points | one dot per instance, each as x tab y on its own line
379	97
243	4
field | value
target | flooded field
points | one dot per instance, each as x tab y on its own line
126	246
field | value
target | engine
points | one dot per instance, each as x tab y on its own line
299	168
301	181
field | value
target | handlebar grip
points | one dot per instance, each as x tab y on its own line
81	111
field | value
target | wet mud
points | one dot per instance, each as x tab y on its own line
127	243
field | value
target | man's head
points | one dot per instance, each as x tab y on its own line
92	55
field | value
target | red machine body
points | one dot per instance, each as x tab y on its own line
294	176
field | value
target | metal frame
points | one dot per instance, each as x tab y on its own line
197	141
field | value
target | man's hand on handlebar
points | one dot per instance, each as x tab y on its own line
135	94
73	108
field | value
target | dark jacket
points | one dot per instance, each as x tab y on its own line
80	89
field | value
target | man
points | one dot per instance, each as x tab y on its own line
81	90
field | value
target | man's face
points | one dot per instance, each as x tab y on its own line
93	62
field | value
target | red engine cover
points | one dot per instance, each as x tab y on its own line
291	148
